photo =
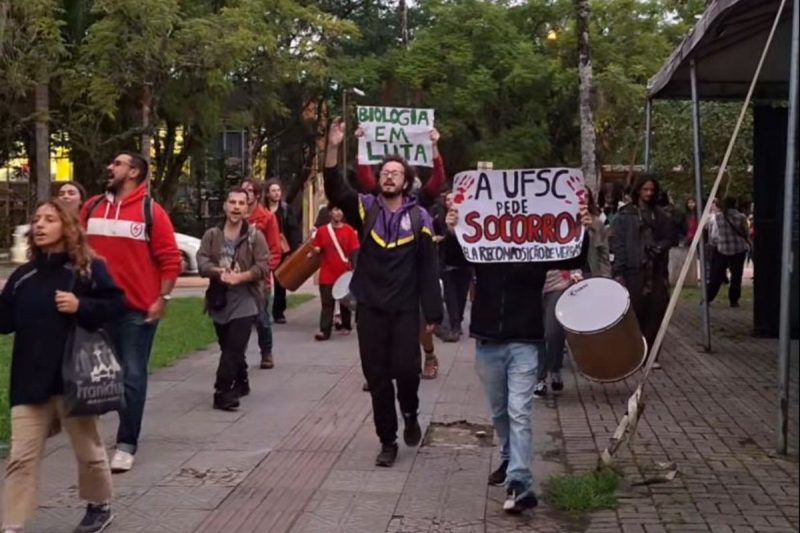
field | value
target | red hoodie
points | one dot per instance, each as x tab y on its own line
116	231
265	221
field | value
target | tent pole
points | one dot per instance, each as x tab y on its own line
787	260
648	111
698	181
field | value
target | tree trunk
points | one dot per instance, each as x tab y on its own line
147	137
42	141
588	140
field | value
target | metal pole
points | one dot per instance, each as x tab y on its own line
787	260
698	181
648	111
344	141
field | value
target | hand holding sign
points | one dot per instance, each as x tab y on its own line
407	132
520	215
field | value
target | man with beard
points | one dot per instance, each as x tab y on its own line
643	234
396	274
134	235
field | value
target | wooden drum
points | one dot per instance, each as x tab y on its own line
298	267
601	328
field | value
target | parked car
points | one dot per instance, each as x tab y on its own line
187	244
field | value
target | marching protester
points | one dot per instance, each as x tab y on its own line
265	222
290	238
395	281
508	325
456	273
235	258
71	194
62	284
335	243
426	196
730	242
643	235
598	261
135	236
555	338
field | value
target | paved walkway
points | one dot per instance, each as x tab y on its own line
298	456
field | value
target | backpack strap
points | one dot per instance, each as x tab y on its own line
369	220
416	221
92	206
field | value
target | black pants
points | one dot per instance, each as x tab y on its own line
651	306
719	265
456	286
328	308
389	347
278	301
233	338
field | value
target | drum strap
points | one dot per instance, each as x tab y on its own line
336	244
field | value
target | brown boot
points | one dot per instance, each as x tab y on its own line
266	361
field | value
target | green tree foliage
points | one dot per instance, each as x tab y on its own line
501	75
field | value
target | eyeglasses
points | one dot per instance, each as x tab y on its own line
391	173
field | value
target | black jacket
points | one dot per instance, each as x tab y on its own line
641	238
395	277
508	299
28	309
288	225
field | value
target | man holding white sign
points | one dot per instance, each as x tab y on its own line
395	131
515	225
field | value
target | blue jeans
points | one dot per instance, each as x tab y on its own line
133	339
264	326
508	374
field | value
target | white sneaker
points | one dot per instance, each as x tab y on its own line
121	462
540	390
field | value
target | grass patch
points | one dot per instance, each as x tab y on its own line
693	294
583	493
185	330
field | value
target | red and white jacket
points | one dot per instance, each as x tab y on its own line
116	232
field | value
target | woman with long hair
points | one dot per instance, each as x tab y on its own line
72	195
62	284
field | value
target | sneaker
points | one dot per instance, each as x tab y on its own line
431	369
280	320
498	477
322	336
121	462
226	401
242	388
556	383
412	433
519	498
96	519
267	361
387	456
540	390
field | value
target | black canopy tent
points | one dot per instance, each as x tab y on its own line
717	61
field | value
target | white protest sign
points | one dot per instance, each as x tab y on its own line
395	130
509	216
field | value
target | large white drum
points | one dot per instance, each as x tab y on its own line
341	290
601	328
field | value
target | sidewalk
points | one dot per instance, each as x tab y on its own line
298	457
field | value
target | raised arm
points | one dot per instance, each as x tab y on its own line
336	189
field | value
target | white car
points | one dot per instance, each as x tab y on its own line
187	244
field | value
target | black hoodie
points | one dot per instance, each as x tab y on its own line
28	309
